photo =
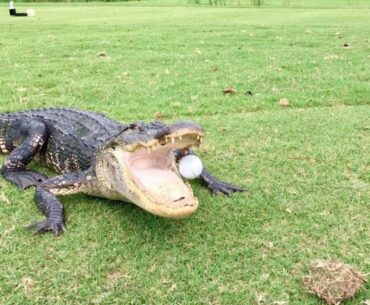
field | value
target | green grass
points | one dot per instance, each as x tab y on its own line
306	166
232	3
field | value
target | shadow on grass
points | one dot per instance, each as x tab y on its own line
123	217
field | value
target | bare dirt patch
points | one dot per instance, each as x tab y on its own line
333	282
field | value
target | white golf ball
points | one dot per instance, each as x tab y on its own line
31	12
190	167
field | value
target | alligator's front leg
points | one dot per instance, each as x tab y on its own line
14	168
215	185
50	206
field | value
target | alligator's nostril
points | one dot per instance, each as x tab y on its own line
179	199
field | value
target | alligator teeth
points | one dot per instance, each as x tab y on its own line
172	140
180	138
198	137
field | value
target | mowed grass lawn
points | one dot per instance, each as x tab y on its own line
305	166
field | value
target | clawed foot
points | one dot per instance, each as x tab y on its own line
47	225
220	187
24	179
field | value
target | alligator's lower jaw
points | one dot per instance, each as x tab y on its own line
161	189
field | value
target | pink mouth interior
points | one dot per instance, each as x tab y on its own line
153	172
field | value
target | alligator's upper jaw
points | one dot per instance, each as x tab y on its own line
155	182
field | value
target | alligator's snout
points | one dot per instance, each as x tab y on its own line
142	135
162	132
180	127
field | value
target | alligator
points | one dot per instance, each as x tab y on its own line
98	156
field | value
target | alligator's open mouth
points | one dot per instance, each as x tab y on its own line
145	172
158	184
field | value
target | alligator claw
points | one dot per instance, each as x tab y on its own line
220	187
47	225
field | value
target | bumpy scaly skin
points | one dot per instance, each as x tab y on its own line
67	141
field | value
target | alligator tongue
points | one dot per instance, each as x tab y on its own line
163	184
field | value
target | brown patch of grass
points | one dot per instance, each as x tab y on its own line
229	90
284	102
114	277
333	282
28	284
4	198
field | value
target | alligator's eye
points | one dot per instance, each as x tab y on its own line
138	126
